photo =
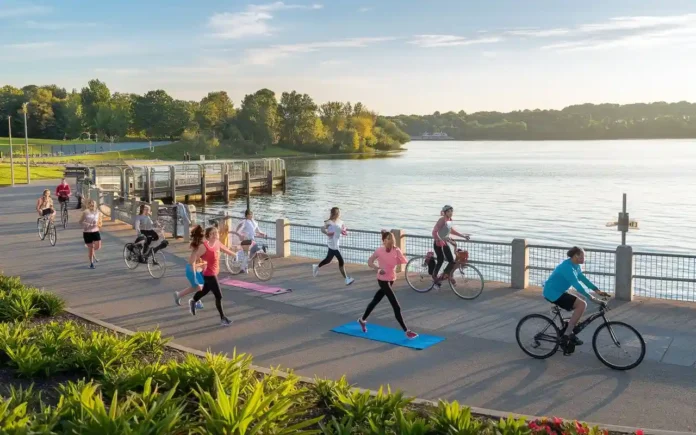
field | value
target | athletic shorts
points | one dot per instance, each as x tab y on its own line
91	237
195	280
46	211
566	301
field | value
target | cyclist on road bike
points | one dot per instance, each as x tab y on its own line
63	191
44	205
441	233
565	275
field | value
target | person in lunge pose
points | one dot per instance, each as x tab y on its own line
193	274
441	233
388	256
334	228
209	251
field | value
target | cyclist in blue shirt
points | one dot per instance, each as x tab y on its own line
569	274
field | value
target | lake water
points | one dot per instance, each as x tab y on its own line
554	192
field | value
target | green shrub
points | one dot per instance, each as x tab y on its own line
452	419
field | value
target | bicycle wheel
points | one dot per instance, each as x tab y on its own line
263	266
466	282
417	275
538	336
40	227
156	264
233	266
64	217
52	234
130	256
618	345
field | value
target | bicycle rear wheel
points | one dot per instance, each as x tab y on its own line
52	234
417	275
156	264
466	282
64	217
40	222
263	266
538	336
618	345
233	265
130	256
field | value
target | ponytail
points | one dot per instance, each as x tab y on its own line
196	237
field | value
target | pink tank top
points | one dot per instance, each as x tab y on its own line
212	258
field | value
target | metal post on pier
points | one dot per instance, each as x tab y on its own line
247	188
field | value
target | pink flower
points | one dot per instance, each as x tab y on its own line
549	431
557	420
639	432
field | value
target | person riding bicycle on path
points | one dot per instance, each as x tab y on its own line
565	275
441	233
63	191
144	225
249	230
44	205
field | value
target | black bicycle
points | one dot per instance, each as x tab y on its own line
156	263
616	344
64	213
45	227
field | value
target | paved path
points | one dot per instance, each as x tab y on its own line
478	364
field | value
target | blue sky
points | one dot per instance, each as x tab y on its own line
396	56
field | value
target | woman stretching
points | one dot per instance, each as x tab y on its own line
441	233
91	221
334	228
209	252
388	257
193	274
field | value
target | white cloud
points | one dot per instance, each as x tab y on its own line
365	9
430	41
43	25
268	55
254	21
538	33
21	11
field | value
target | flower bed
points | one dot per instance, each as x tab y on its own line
60	374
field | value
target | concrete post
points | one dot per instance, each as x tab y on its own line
285	180
519	272
399	242
282	238
155	210
135	208
187	230
226	187
624	273
172	182
270	182
112	205
148	184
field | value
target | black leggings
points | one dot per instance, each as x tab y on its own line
330	256
442	253
150	236
210	284
385	288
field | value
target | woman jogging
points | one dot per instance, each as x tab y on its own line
388	257
91	221
334	228
441	233
193	274
44	205
209	251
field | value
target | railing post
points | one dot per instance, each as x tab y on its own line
187	229
155	210
283	238
624	273
204	195
270	181
399	242
226	187
148	184
519	273
112	206
172	182
134	211
285	180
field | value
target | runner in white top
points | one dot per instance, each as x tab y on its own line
334	228
249	230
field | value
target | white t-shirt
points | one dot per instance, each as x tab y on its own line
335	227
90	222
249	229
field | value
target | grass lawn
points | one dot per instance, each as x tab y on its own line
37	173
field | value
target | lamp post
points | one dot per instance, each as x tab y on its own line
9	129
26	139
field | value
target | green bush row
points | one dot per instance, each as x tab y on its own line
19	302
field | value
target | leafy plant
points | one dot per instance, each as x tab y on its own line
335	427
452	419
328	390
48	304
29	360
512	426
13	416
149	343
25	395
17	305
356	405
99	351
410	424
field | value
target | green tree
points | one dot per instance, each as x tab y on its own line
214	111
153	113
41	121
298	115
258	119
69	117
11	100
93	95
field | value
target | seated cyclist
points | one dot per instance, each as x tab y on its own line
145	226
44	205
63	191
247	230
569	274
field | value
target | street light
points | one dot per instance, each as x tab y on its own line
26	138
9	129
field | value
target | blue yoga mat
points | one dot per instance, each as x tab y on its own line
388	335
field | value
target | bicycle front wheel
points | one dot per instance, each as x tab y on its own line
618	345
130	256
466	282
52	234
417	275
538	336
64	217
233	265
40	227
156	264
263	266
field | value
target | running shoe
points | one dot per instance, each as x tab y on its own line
225	321
315	270
177	299
349	281
411	335
192	307
91	266
363	325
199	305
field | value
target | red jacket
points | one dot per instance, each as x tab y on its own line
63	190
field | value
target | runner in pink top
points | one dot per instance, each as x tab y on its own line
388	257
209	251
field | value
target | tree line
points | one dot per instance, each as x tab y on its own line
295	121
586	121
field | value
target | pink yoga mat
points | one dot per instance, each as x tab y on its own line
255	287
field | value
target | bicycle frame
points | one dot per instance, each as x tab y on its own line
581	325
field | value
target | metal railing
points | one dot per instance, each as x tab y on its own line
265	226
664	276
356	247
600	265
